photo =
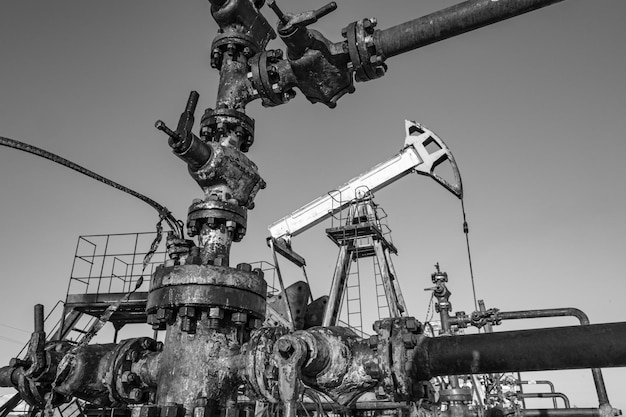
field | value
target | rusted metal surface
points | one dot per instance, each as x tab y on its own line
452	21
204	287
199	364
593	346
212	313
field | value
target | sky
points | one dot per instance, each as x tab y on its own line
532	108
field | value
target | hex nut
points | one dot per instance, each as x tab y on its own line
244	267
239	318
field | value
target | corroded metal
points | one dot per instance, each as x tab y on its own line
592	346
211	313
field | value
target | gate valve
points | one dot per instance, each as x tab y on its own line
292	27
317	66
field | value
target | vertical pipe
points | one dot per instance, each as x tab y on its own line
39	319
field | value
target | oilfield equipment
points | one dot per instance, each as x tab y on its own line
229	349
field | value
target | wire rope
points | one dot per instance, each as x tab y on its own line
164	213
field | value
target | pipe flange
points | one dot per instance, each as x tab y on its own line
206	286
124	385
218	124
397	340
456	394
216	213
265	79
232	40
366	58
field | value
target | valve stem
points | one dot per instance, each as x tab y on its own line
281	16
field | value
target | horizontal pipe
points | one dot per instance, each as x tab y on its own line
357	406
452	21
561	412
592	346
545	313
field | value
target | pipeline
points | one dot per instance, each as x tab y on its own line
561	412
592	346
452	21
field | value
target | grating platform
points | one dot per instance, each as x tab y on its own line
131	311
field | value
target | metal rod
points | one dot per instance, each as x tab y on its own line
553	395
597	345
39	318
561	412
536	382
452	21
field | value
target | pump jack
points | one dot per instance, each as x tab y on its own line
214	345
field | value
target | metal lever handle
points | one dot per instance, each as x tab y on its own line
290	22
323	11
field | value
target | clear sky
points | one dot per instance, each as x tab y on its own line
534	110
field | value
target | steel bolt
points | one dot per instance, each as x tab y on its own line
129	377
188	325
163	314
255	323
171	410
149	410
216	313
186	311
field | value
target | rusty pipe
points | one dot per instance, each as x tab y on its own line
561	412
598	378
548	312
592	346
452	21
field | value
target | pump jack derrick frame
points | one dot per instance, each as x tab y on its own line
212	313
